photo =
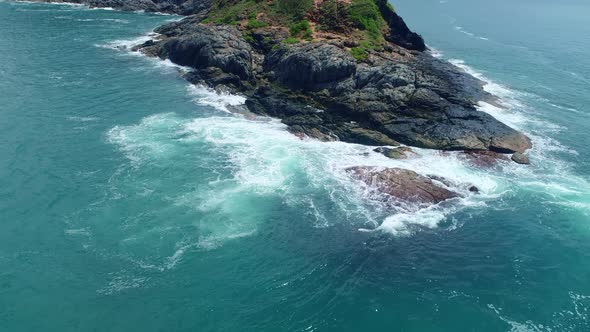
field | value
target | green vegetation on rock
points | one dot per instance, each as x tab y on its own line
253	23
333	16
301	29
291	40
226	11
366	16
361	21
295	9
359	53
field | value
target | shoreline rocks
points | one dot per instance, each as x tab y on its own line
320	90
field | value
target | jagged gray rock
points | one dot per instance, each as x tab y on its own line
399	33
310	65
417	100
206	46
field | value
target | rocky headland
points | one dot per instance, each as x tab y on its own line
348	70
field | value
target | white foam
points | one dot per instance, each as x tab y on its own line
509	116
82	118
571	109
470	34
148	138
215	241
177	256
265	159
64	3
401	224
219	100
491	86
102	8
121	283
116	20
574	318
78	232
128	44
434	52
548	174
517	326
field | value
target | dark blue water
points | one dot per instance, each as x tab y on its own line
131	201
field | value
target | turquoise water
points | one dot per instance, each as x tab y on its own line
131	201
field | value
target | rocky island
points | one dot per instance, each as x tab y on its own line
348	70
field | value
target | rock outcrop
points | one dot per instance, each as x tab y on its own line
402	152
203	47
310	66
484	158
399	32
520	158
401	185
413	99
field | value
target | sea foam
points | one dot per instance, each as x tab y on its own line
266	159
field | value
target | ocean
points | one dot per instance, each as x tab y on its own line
133	201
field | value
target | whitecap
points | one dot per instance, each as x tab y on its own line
121	283
128	44
82	118
573	318
220	100
434	52
401	224
571	109
470	34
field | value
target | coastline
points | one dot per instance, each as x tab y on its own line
243	83
471	86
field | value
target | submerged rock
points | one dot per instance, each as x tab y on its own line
402	184
520	158
403	152
473	189
484	158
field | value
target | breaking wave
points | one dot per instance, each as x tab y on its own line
470	34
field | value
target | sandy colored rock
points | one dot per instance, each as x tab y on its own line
402	184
